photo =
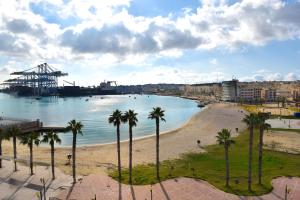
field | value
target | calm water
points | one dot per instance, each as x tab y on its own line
94	113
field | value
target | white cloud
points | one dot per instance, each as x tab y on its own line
263	71
291	77
104	33
165	74
213	61
267	76
107	27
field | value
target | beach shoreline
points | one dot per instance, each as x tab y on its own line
203	126
140	137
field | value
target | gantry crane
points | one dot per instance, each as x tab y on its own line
42	79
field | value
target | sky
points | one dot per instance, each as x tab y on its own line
153	41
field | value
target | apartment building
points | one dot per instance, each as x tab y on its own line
270	95
296	95
250	94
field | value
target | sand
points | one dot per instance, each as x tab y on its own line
284	123
282	141
96	159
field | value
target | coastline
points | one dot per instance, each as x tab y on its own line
141	137
202	126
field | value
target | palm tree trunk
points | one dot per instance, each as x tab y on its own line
260	152
0	153
15	151
119	151
227	165
250	159
31	159
130	154
157	148
52	160
74	157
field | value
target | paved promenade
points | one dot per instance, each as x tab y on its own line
21	186
176	189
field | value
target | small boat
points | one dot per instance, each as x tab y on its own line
86	99
200	105
37	98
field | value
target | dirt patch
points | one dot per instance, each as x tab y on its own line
282	141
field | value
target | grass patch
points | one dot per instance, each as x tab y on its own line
286	129
256	109
210	166
251	108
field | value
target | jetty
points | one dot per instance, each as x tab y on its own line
27	126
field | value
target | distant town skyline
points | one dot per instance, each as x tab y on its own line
152	41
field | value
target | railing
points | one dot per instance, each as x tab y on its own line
23	124
30	126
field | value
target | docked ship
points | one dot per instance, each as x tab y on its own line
105	88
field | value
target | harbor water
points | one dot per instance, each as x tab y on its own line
94	111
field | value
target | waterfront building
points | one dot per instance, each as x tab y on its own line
229	90
283	93
296	95
204	89
270	95
250	94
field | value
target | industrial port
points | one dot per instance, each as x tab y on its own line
42	80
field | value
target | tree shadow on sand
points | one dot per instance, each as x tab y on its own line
164	191
132	192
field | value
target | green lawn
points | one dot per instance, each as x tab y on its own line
210	166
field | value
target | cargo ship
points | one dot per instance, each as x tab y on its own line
105	88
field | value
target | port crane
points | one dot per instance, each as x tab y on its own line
41	79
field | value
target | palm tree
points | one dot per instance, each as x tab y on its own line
251	121
116	119
262	126
51	138
157	114
130	117
224	138
30	139
75	127
14	132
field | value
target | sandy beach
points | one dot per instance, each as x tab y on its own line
202	126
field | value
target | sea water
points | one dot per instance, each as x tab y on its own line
94	111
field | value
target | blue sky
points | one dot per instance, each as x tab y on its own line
153	41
